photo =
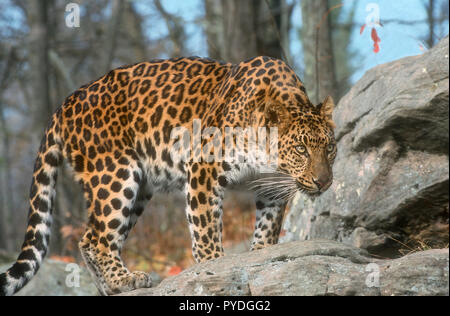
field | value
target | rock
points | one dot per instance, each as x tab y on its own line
6	257
51	280
318	267
430	267
391	174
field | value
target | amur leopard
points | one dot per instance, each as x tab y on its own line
115	133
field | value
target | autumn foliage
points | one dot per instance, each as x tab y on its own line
374	36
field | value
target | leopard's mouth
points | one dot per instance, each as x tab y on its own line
310	191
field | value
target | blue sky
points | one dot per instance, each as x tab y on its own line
397	40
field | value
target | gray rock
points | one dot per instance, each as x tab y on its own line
429	269
316	267
51	281
392	169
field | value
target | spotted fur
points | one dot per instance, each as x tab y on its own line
115	133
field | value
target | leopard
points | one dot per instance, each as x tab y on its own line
115	133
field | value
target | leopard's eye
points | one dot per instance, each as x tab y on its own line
301	149
330	147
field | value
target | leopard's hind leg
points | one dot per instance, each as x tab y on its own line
113	210
87	247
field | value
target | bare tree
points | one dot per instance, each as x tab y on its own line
132	24
269	40
285	27
41	72
247	29
213	26
6	187
175	26
319	76
429	8
345	57
50	82
239	32
437	17
39	62
112	31
52	61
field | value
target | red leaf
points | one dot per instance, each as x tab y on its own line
66	259
375	37
361	30
174	270
376	48
376	40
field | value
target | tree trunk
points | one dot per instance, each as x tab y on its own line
319	76
132	24
429	7
285	26
6	185
112	33
268	25
39	63
69	203
239	30
342	25
252	28
40	73
213	27
176	30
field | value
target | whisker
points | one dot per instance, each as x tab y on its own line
280	193
272	180
271	183
277	185
268	188
273	177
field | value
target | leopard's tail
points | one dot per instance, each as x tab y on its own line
42	194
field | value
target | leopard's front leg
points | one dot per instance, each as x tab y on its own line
269	218
205	191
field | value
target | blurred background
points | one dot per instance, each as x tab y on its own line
47	51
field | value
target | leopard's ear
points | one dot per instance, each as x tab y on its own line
326	110
277	115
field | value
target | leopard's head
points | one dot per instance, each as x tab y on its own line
306	145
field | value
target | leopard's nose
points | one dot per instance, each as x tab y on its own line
322	182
